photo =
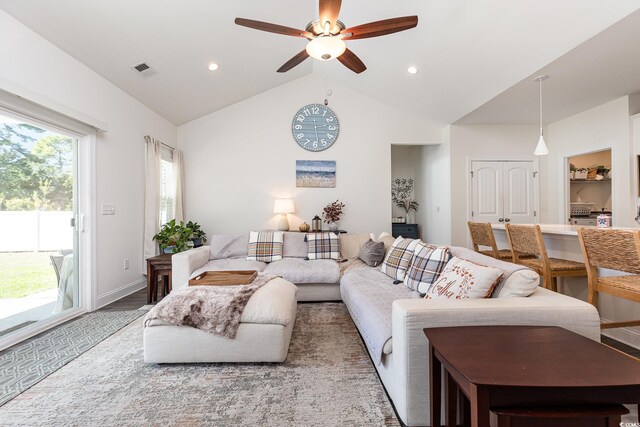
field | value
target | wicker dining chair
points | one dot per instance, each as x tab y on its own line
482	235
615	250
527	239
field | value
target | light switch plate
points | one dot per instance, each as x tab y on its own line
108	209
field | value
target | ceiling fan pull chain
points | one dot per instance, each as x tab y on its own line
326	92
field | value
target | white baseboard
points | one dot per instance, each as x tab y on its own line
121	292
629	336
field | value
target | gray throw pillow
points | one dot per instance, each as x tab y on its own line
372	253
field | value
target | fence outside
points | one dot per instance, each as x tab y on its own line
30	231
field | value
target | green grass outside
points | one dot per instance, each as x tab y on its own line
25	273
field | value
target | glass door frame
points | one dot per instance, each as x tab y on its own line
84	233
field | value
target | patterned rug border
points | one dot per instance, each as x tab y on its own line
22	366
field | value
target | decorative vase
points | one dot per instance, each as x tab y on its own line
197	242
333	226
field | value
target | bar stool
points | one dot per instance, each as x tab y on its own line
482	235
615	250
528	239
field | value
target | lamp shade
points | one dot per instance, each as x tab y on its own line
541	148
283	206
326	48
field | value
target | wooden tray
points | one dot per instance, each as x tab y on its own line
224	278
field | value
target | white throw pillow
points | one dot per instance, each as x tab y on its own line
398	258
521	283
463	279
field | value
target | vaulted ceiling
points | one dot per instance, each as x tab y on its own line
468	51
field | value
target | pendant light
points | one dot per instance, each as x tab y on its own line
541	148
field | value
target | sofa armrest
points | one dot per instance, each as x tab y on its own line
410	317
185	263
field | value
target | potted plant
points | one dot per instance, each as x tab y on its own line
197	236
173	237
401	192
332	213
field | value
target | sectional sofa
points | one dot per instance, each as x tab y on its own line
390	317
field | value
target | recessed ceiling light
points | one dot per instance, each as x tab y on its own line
412	70
213	66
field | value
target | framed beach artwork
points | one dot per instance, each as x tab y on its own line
316	173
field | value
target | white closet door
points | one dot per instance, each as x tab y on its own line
486	187
518	192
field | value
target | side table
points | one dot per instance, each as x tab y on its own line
511	368
158	266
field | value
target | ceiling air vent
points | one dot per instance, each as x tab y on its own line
144	69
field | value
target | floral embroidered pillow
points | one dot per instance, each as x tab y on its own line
463	279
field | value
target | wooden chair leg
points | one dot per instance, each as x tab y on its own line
554	284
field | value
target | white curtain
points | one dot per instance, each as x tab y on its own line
151	197
178	185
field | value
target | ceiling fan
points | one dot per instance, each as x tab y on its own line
327	35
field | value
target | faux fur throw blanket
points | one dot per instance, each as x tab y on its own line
213	309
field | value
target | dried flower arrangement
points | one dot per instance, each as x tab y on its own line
401	192
333	211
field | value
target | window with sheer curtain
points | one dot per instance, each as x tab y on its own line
167	187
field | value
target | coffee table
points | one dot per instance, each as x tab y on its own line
525	366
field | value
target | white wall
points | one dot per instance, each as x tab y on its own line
240	159
603	127
37	65
483	142
433	190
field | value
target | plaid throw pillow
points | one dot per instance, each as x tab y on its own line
398	258
323	246
265	246
426	266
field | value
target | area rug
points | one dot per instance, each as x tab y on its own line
327	380
26	364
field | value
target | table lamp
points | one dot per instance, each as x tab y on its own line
283	207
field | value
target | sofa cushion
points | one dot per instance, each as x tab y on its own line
426	266
369	294
517	280
265	246
351	244
228	246
372	253
229	265
295	245
323	246
301	271
462	279
398	258
268	305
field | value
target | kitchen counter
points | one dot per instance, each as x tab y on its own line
559	229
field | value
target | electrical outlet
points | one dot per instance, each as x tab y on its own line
126	263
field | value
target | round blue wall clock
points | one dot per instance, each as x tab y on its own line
315	127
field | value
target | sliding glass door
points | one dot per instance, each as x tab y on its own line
38	229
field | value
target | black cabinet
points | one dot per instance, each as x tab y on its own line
410	231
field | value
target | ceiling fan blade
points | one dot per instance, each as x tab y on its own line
293	61
273	28
381	28
352	62
329	11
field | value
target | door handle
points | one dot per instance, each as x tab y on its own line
507	219
501	219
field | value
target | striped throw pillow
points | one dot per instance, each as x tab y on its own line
426	266
398	258
265	246
323	246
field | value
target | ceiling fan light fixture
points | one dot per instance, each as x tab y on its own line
326	48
